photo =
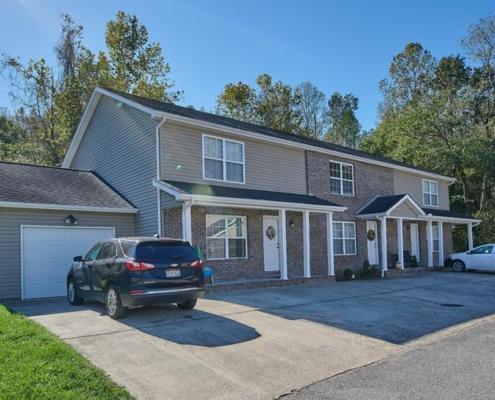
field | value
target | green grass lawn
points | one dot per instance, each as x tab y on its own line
35	364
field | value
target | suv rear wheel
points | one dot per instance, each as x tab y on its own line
114	306
187	305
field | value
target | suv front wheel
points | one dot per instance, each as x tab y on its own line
114	306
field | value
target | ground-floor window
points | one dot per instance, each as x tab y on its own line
436	237
226	237
344	238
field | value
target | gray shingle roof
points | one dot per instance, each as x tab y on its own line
381	204
24	183
385	203
233	123
241	193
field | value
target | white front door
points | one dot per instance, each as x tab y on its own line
270	243
415	241
372	239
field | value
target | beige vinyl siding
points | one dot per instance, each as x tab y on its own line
412	184
10	238
267	166
119	145
404	210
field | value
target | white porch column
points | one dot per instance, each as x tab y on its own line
186	222
306	245
400	242
440	243
282	240
383	232
430	243
331	261
470	235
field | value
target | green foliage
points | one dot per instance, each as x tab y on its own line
38	365
440	116
51	101
367	271
348	273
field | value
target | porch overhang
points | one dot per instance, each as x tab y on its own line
214	195
384	206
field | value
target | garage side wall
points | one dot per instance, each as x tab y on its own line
11	221
119	145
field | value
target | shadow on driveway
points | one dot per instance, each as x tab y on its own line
395	310
192	327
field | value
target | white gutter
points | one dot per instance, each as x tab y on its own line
158	174
68	207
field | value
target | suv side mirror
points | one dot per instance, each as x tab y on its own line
78	259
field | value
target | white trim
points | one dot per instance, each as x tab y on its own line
306	245
400	241
342	179
440	243
247	203
330	255
210	125
406	197
429	193
429	236
344	238
49	226
289	143
383	231
226	217
282	240
41	206
158	175
470	235
224	159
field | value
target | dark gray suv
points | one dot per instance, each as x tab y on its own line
130	272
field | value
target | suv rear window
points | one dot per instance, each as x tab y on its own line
165	252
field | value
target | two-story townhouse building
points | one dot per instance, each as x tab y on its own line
261	203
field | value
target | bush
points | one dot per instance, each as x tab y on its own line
348	273
367	271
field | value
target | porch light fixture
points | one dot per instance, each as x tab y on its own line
408	229
71	220
291	223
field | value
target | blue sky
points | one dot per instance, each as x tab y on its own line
337	45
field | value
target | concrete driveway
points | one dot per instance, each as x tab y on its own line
266	343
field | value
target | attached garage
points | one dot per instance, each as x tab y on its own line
38	240
47	253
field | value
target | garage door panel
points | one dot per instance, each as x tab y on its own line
48	253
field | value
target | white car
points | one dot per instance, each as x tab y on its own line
481	257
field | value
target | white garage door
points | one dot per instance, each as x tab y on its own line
47	254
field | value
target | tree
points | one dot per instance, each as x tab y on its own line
52	100
344	126
312	110
272	105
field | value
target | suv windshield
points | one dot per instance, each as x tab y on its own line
165	252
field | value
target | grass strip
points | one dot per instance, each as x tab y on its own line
36	364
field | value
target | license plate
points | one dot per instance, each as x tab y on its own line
173	273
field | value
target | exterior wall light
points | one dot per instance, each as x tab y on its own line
291	223
71	220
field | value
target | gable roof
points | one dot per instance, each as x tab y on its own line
384	205
158	108
215	193
34	186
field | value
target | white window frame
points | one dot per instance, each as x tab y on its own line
429	192
226	238
224	159
344	238
341	178
436	237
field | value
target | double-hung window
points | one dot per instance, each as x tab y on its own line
436	237
430	193
344	238
226	237
341	178
223	160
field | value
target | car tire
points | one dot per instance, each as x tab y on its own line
72	295
114	306
458	266
187	305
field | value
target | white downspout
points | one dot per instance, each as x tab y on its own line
186	221
158	174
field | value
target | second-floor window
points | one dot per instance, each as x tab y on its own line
341	178
430	193
223	160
